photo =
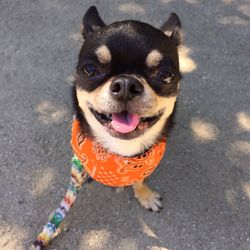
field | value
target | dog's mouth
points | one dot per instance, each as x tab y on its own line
125	125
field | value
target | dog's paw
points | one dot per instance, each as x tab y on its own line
149	199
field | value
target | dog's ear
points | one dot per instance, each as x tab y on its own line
172	28
91	21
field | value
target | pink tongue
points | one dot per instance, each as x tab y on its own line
124	122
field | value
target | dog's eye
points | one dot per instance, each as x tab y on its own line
168	77
90	70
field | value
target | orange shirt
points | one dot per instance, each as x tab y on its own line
112	169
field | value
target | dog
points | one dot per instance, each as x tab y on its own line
125	89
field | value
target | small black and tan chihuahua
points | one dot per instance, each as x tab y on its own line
125	89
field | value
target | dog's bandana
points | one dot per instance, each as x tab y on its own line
104	167
111	169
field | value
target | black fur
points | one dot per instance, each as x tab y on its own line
91	21
173	26
129	43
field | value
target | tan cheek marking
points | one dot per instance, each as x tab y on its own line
153	59
103	54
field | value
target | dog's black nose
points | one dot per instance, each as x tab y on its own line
125	88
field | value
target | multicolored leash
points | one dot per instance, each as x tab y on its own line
78	177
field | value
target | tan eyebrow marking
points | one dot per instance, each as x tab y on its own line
103	54
153	59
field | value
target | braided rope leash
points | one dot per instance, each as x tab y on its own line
78	177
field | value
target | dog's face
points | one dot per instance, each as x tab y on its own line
127	80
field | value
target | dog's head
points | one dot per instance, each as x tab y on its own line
127	80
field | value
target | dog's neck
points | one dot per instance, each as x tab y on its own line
112	169
127	148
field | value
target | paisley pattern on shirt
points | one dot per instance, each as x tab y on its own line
112	169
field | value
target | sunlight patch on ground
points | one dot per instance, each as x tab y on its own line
77	37
228	1
233	20
158	248
49	113
43	179
95	239
245	9
231	196
238	151
246	188
132	8
11	237
192	1
70	79
243	120
204	131
242	147
147	230
128	244
166	1
187	64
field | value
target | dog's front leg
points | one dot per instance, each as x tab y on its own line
78	177
149	199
